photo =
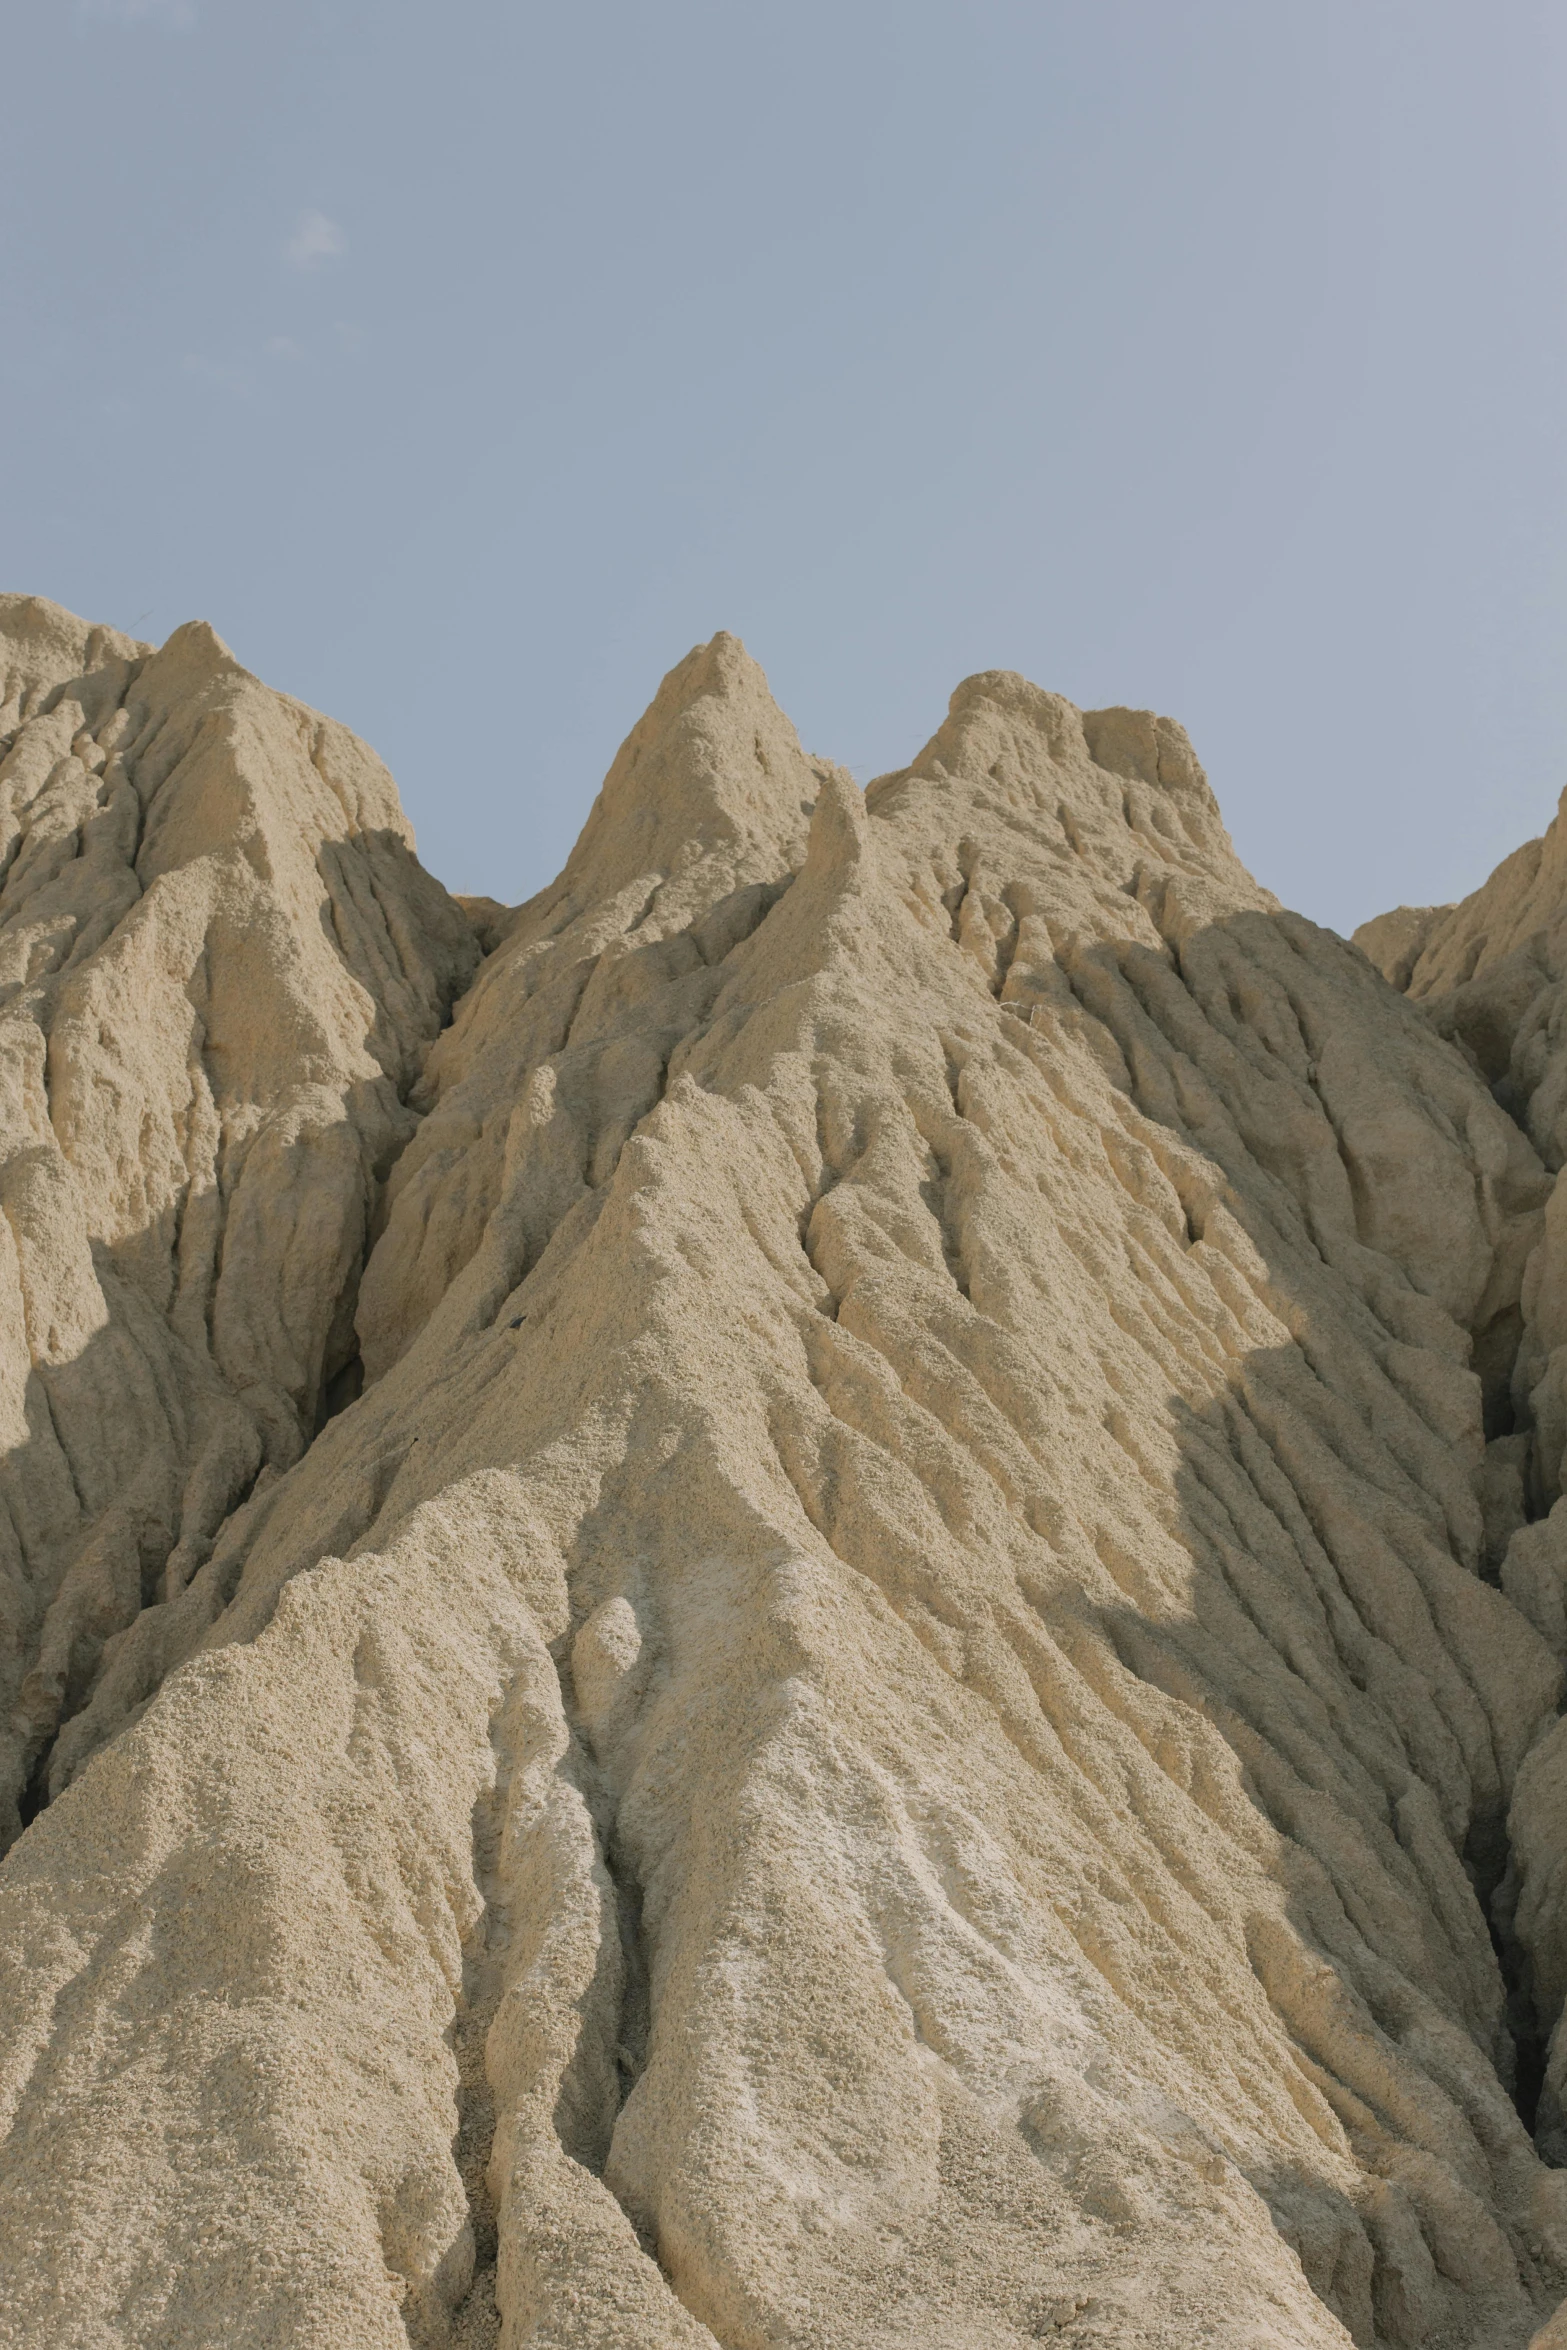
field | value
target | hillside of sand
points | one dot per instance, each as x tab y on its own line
815	1596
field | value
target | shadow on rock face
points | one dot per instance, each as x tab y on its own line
892	1718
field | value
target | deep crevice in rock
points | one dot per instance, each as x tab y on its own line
635	2022
35	1794
345	1386
1488	1857
1520	2060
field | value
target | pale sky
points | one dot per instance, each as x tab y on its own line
465	364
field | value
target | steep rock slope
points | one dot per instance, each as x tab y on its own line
219	968
885	1724
1491	973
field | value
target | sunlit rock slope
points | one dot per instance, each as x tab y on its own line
916	1706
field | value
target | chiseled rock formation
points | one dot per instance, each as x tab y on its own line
220	966
892	1720
1491	973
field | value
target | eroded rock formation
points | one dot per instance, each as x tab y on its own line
220	966
918	1704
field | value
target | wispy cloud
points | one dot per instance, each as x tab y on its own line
175	15
315	239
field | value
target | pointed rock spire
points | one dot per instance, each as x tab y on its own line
713	769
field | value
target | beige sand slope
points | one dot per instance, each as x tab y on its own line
916	1707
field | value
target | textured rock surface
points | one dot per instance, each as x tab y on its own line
1491	973
917	1705
219	969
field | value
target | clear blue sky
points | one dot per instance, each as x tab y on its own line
466	363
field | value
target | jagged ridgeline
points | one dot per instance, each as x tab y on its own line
810	1599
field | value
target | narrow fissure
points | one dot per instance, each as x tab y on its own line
345	1386
631	2039
1488	1862
1487	1856
634	2027
35	1793
475	2322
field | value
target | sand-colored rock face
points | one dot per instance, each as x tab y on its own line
219	969
1491	973
918	1705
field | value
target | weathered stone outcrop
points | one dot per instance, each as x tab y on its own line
220	966
1491	973
894	1717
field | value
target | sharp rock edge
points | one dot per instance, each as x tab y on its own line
814	1596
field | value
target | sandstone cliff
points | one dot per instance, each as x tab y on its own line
917	1704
